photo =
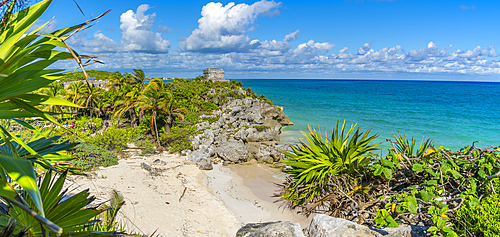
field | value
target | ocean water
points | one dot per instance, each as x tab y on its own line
453	114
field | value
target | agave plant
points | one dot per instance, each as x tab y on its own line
314	161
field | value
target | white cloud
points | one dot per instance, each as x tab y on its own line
221	40
223	29
99	43
137	34
292	36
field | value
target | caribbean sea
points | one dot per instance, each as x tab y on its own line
453	114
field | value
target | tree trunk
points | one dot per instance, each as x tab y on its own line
133	118
168	124
156	129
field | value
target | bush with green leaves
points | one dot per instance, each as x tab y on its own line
479	217
145	144
409	185
178	138
323	169
89	156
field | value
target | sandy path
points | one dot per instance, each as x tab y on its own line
152	202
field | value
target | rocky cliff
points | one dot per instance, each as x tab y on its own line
247	128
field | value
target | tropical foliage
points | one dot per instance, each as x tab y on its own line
35	208
432	186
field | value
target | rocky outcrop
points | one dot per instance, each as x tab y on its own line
327	226
270	229
247	128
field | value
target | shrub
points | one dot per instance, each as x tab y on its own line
479	218
178	139
90	156
112	139
147	145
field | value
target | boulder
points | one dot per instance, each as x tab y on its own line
258	134
253	148
267	154
233	151
270	229
327	226
201	158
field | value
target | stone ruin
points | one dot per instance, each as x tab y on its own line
214	74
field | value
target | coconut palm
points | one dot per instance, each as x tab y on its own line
171	111
153	100
57	90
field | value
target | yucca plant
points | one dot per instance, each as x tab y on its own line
317	160
344	152
406	147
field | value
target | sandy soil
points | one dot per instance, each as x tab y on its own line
213	203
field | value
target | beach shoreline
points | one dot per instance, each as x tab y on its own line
181	200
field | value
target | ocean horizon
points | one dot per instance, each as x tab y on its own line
451	113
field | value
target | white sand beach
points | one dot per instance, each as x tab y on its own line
213	203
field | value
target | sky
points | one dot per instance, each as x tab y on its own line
399	39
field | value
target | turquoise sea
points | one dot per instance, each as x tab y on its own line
453	114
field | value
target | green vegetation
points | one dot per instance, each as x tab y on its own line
79	76
445	190
29	153
90	156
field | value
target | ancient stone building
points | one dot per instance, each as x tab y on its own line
214	74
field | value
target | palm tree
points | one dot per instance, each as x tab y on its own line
153	100
57	90
74	93
172	112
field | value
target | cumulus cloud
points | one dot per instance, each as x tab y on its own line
223	29
137	34
98	43
221	40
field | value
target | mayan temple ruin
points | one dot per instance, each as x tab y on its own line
214	74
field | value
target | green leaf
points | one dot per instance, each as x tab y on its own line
481	173
432	229
22	172
412	204
431	182
6	190
425	196
417	168
378	170
388	163
387	173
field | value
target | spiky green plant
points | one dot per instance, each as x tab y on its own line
314	161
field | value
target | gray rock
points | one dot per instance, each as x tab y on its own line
270	229
327	226
253	148
242	134
267	134
234	151
201	157
267	154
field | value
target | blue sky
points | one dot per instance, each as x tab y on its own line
400	39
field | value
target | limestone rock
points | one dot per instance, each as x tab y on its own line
267	154
270	229
327	226
201	157
233	151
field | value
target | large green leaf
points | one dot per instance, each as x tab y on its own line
22	172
